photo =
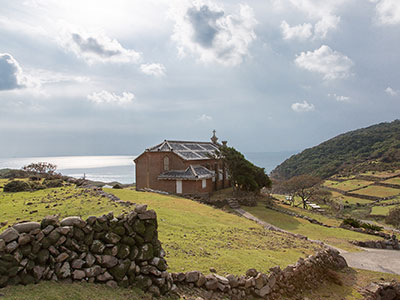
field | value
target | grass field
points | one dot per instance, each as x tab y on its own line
395	180
64	201
381	210
383	174
378	191
334	236
197	237
347	185
348	200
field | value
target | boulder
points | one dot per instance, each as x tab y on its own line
24	239
78	274
73	221
65	271
108	261
9	235
148	215
97	247
26	227
11	246
192	277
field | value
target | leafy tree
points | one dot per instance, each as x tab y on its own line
244	175
393	217
42	168
303	186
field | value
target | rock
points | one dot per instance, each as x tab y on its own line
97	247
77	264
48	229
26	227
201	281
43	256
192	276
145	252
233	281
65	230
54	236
143	282
112	284
212	283
2	245
259	281
221	279
38	272
93	271
90	260
140	208
73	221
112	238
9	235
78	274
49	220
264	291
155	291
65	271
104	277
148	215
119	271
160	263
11	246
108	261
213	270
123	251
62	257
251	273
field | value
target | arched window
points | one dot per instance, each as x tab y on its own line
166	163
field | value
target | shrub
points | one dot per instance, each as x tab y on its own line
352	222
16	186
393	216
36	186
53	183
117	186
34	178
371	227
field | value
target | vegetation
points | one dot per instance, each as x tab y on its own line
347	185
16	186
337	237
244	175
42	168
378	191
358	224
378	143
393	217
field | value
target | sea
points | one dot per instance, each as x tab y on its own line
120	168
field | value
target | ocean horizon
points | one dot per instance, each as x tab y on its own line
120	168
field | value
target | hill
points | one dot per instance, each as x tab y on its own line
372	148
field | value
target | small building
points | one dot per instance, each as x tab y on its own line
182	167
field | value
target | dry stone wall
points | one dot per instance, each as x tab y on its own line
305	274
117	251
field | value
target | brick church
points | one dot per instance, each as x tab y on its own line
182	167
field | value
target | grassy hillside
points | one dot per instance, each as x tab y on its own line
378	143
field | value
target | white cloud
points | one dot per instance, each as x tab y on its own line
205	118
96	47
11	75
388	12
156	70
327	23
339	98
330	63
208	32
303	107
301	31
105	97
391	91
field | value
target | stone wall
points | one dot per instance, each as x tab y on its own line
117	251
392	244
382	291
305	274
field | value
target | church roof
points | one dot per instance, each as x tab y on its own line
191	173
187	150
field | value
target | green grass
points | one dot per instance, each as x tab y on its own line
64	201
75	291
383	174
378	191
338	197
347	185
197	237
395	180
337	237
381	210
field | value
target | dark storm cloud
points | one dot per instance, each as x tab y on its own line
204	24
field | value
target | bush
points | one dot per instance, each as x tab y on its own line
352	222
53	183
34	178
36	186
371	227
16	186
117	186
393	216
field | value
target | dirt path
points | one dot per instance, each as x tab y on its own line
387	261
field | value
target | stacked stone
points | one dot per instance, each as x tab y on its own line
305	274
117	251
392	244
382	291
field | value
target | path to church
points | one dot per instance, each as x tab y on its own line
380	260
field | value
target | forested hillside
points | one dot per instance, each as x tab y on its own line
378	144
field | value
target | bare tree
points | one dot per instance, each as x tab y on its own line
303	186
42	168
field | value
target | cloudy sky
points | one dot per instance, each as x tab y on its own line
114	77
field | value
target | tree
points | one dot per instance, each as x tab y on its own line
303	186
393	217
42	168
244	175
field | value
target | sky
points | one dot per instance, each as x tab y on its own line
116	77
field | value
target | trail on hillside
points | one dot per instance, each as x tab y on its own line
379	260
